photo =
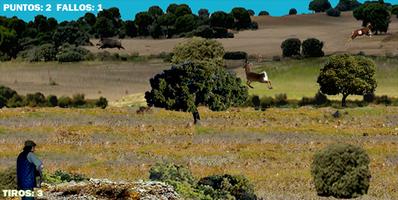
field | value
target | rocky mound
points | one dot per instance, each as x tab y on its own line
102	189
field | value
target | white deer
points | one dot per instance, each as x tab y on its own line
255	77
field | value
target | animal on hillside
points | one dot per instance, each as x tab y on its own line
109	43
363	31
256	77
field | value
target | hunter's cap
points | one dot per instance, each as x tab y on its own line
29	143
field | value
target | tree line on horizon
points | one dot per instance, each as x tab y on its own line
24	39
177	21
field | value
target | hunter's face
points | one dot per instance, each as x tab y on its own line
33	149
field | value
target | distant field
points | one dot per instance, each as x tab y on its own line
265	42
124	83
274	149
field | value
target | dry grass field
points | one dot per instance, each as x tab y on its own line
274	149
266	41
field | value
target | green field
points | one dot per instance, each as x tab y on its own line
297	78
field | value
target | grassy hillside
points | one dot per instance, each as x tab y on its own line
297	78
274	149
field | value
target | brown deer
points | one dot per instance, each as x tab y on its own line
255	77
363	31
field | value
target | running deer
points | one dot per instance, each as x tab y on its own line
255	77
363	31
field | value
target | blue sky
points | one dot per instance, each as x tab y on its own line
128	8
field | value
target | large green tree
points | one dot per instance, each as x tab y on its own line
186	86
347	5
347	75
143	20
375	13
186	23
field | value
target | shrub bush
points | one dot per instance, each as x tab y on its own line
312	47
171	173
3	102
101	102
319	5
70	53
341	171
369	97
384	99
16	101
61	176
45	52
227	187
291	47
306	101
254	26
333	12
198	50
263	13
347	5
52	100
204	31
8	179
235	55
256	102
266	102
281	99
78	100
292	11
35	100
6	92
320	98
65	102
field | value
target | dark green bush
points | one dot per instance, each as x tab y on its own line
256	102
254	26
320	98
291	47
312	47
220	32
16	101
306	101
8	179
6	92
384	99
52	100
263	13
235	55
281	99
333	12
369	97
3	102
78	100
35	100
101	102
266	102
347	5
341	171
292	11
319	5
65	102
204	31
227	187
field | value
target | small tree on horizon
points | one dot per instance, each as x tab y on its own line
292	11
319	5
347	75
